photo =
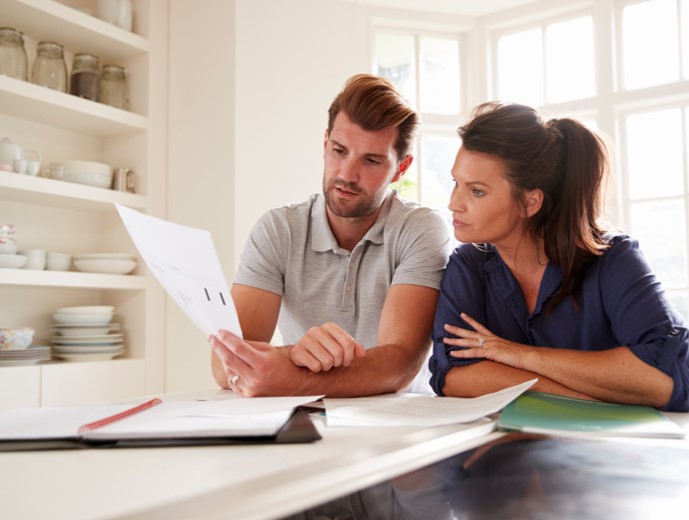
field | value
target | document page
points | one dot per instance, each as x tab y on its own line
418	410
184	261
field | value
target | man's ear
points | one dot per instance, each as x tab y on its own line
325	139
402	168
534	201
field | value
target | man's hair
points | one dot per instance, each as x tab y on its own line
373	103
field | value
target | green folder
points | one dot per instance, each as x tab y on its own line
536	412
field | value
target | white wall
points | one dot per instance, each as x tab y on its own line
200	187
292	57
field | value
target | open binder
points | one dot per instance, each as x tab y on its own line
150	424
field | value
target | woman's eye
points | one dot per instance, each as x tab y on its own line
477	193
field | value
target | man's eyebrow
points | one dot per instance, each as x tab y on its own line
381	156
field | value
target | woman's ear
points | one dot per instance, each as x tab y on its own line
534	201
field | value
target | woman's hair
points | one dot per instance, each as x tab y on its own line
565	160
373	103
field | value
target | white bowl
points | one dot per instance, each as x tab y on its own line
81	172
105	266
15	339
82	167
12	261
82	319
58	261
105	256
87	309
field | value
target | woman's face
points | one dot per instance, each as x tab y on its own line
484	208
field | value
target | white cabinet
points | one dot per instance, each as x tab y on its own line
76	219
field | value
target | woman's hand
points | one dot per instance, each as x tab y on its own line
482	343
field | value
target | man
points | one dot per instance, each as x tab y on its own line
352	274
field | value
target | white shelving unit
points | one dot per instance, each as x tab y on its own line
77	219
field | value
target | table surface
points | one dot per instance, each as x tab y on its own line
236	481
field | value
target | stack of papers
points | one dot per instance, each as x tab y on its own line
418	410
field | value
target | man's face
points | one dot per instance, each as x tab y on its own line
359	167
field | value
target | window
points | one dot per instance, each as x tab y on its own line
643	108
548	63
425	67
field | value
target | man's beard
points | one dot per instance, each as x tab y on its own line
366	204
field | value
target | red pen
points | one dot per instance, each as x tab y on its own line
122	415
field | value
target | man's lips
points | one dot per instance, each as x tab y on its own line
346	192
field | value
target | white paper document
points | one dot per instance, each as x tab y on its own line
418	410
184	260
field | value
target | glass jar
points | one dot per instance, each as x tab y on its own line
49	68
113	87
13	60
84	81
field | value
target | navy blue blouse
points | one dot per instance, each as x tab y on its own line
621	304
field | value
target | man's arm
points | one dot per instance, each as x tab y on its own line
258	312
403	336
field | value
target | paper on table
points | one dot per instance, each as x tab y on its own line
184	260
418	410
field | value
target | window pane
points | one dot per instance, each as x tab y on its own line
650	43
520	67
439	76
437	155
661	230
569	60
395	60
655	154
684	7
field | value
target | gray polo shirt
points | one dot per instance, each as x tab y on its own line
292	252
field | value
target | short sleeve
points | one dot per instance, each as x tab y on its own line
262	263
425	245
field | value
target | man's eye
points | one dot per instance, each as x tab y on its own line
339	151
374	162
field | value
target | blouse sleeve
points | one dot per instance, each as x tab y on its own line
462	290
642	317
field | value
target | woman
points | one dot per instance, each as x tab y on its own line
539	289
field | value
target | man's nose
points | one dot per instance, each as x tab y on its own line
349	171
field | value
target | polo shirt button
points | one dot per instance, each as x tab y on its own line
674	332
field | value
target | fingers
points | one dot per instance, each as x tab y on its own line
326	347
225	346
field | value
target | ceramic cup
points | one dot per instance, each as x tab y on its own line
58	261
36	258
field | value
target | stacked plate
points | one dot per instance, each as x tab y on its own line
86	334
106	263
28	356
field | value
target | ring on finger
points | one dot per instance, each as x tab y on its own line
480	340
234	379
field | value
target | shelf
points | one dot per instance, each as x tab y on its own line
30	277
65	195
25	100
57	22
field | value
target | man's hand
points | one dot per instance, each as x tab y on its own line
326	347
254	368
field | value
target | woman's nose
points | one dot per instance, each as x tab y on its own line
456	201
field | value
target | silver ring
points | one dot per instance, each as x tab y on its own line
480	341
234	379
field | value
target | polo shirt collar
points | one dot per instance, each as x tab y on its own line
322	236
